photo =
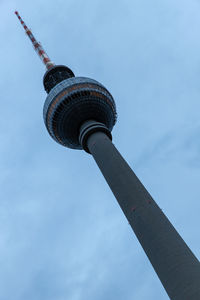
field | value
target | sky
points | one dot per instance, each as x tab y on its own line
62	233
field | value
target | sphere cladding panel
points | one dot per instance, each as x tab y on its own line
74	101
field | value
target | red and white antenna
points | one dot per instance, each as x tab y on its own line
37	46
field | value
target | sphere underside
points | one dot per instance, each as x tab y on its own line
71	103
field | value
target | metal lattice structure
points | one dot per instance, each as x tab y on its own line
37	46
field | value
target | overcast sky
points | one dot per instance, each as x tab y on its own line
62	233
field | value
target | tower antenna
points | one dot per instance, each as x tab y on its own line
37	46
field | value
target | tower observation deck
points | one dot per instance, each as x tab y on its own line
79	113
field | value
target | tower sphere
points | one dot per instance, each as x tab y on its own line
72	102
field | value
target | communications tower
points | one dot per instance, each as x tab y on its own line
79	113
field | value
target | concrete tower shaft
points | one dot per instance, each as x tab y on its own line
176	266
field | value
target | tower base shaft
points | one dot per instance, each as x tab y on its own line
175	264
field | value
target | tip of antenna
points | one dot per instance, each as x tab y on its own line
16	12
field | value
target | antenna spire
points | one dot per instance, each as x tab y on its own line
37	46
